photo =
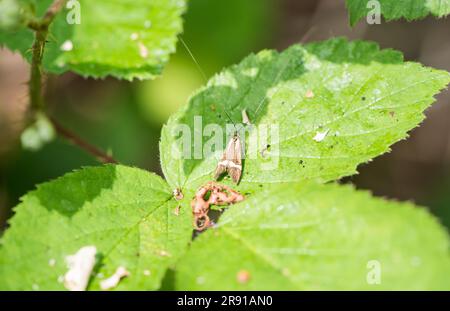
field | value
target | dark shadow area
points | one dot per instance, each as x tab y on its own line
98	265
66	196
168	281
339	51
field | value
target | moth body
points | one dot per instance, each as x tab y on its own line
231	161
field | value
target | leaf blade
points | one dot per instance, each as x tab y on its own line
125	212
107	42
360	98
317	237
395	9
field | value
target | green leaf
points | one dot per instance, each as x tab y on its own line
397	9
10	17
318	237
127	213
360	98
125	39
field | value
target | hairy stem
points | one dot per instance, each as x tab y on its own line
41	30
56	6
40	27
36	101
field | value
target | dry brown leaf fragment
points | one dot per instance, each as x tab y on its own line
243	276
211	194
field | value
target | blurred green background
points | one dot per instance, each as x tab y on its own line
125	118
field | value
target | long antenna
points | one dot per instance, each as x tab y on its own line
202	72
230	118
279	74
194	59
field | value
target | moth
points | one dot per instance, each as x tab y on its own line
231	161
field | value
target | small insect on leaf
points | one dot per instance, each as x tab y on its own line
231	161
211	194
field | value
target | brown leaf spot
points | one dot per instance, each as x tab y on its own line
243	276
309	94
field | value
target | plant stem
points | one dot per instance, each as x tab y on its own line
74	139
41	30
56	6
36	101
40	27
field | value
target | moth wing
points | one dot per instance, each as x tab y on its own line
237	152
235	174
231	161
230	151
220	169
